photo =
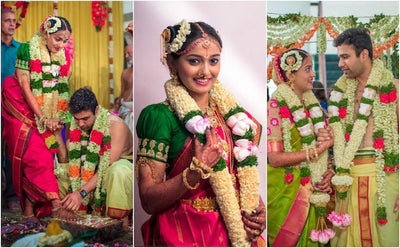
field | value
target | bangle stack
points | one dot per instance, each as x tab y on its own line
185	181
199	166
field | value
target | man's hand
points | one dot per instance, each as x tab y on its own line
72	201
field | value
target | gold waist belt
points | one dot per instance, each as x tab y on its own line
203	204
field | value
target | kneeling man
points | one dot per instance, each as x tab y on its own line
99	175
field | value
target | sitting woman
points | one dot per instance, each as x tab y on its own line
294	154
197	152
34	109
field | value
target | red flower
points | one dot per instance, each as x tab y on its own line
383	221
101	152
55	150
307	113
392	96
391	169
108	145
36	65
385	168
342	113
75	135
379	143
384	98
285	112
347	136
96	137
288	177
305	180
64	70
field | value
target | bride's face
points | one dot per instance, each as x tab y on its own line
199	68
57	41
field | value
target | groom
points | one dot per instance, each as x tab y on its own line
364	116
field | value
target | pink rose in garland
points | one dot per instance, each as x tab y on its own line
285	112
384	98
342	113
392	96
379	143
36	65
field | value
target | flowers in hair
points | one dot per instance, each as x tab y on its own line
47	25
290	63
180	38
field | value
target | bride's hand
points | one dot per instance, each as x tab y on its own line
210	152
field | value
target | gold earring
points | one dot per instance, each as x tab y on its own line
291	84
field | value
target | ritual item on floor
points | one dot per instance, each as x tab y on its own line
103	228
54	236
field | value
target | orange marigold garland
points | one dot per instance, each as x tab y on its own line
88	154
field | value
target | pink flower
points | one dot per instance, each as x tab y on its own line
330	232
392	96
383	221
36	65
384	98
323	237
341	221
307	113
304	180
379	143
284	112
314	235
342	113
197	124
116	244
288	177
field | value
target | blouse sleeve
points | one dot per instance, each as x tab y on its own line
23	57
274	128
154	130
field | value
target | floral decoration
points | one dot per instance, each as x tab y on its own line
385	130
180	38
86	153
48	72
308	121
18	5
243	130
99	14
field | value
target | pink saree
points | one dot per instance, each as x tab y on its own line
194	220
32	162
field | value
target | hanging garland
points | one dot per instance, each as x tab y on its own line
55	8
99	14
293	30
18	5
111	54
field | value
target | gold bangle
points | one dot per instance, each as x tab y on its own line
194	168
202	166
307	155
185	182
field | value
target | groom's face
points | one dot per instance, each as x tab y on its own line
349	62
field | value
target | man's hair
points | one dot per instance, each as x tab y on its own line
5	10
358	37
83	100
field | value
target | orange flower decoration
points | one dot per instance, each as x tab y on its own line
74	171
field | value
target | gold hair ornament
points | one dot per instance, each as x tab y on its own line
290	63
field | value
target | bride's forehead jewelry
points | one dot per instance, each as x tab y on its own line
204	40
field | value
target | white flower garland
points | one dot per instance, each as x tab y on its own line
180	38
285	93
189	112
101	125
47	25
384	120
